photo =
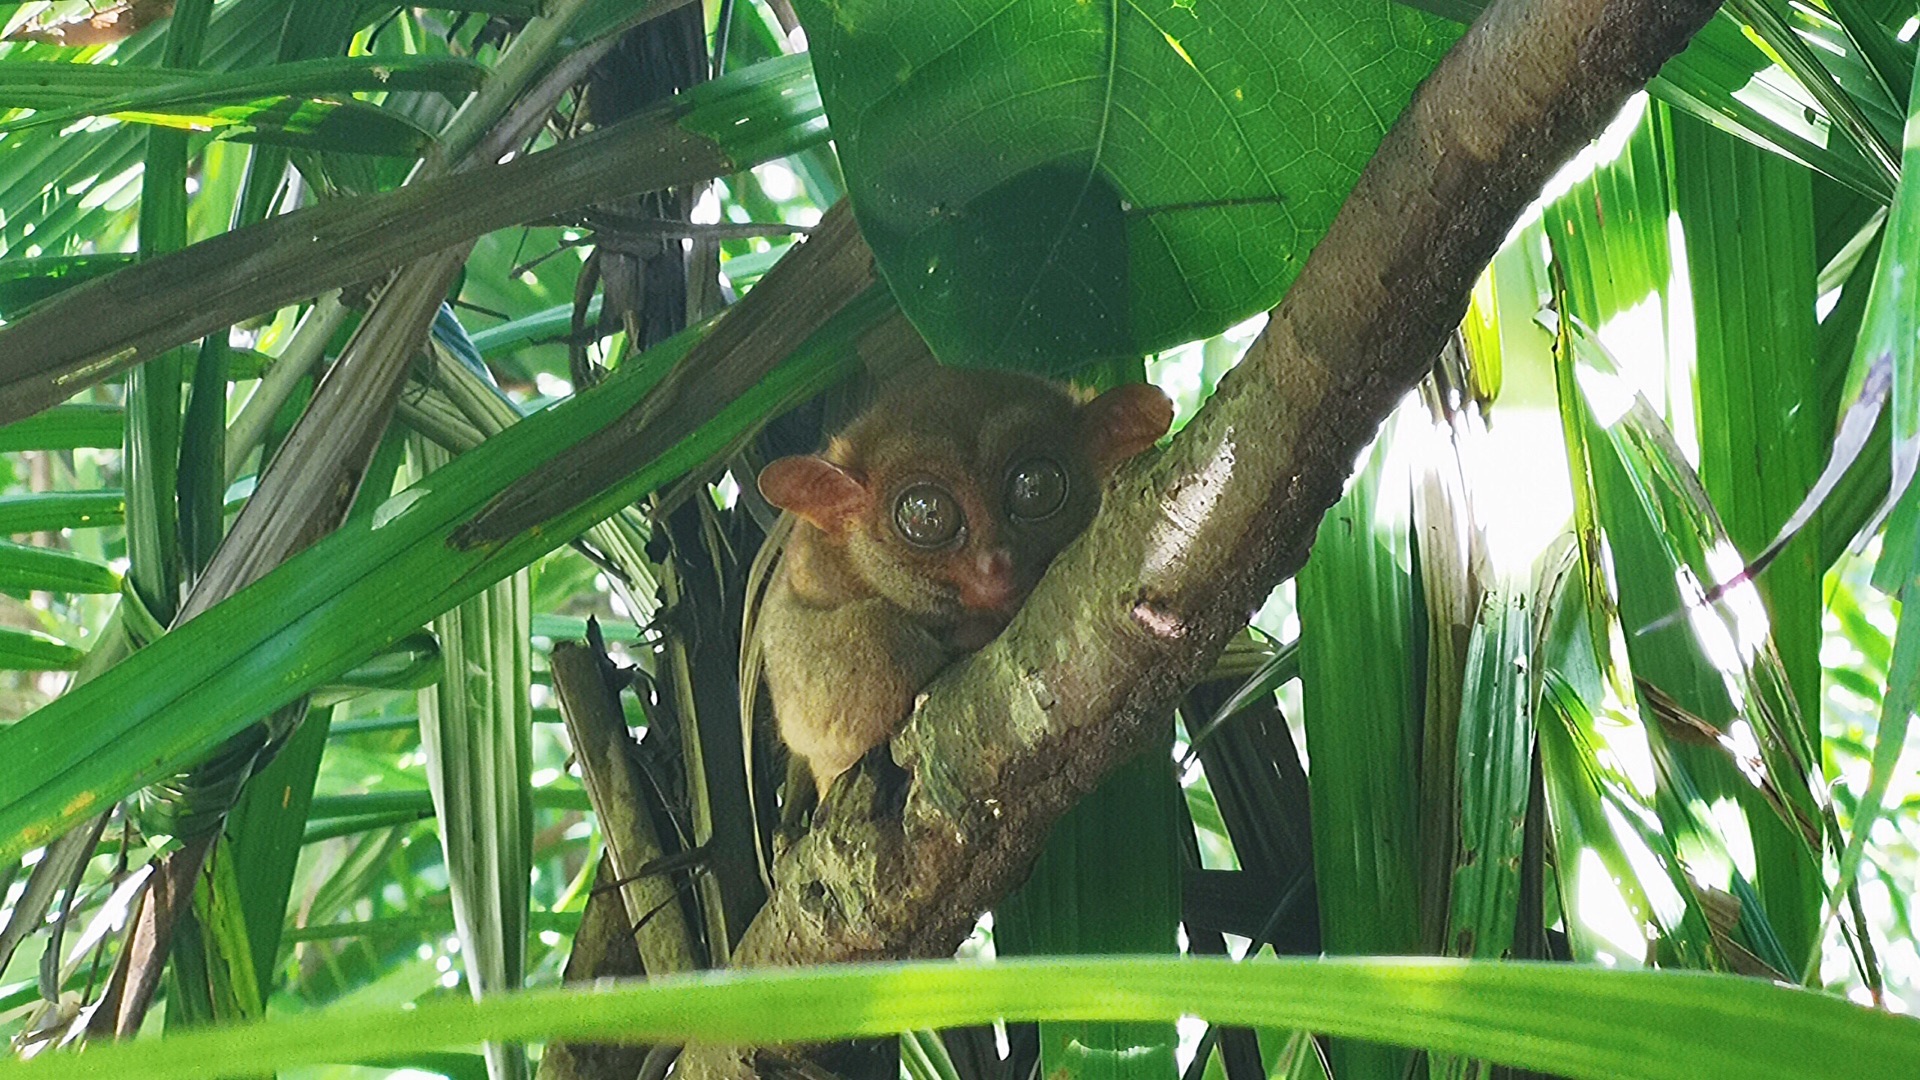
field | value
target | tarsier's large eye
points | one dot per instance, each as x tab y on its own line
1036	488
927	515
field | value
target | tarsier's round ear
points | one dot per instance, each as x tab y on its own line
1122	422
820	492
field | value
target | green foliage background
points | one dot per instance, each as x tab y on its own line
1473	729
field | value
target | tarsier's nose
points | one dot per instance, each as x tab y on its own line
986	583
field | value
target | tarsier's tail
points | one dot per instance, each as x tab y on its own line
753	670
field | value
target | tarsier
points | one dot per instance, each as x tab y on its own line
919	532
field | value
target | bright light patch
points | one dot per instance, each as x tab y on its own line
1191	1030
391	509
1615	934
1247	330
1681	341
1777	95
1393	495
706	209
552	385
1817	42
1190	775
1649	871
727	492
1715	637
1178	371
1610	397
1730	821
112	915
1626	747
1750	626
777	181
1520	490
102	191
1635	340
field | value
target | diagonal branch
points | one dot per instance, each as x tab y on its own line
1188	545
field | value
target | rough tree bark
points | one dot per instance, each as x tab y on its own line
1187	545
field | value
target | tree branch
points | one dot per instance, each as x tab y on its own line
1187	545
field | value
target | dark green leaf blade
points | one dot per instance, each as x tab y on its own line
29	281
1050	182
67	427
100	90
54	510
22	651
1754	299
25	568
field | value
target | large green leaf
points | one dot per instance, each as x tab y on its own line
1660	528
476	734
1557	1018
1494	755
1887	337
1659	522
1107	882
1361	669
1760	428
1047	182
262	841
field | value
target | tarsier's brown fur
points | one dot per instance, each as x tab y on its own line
857	617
